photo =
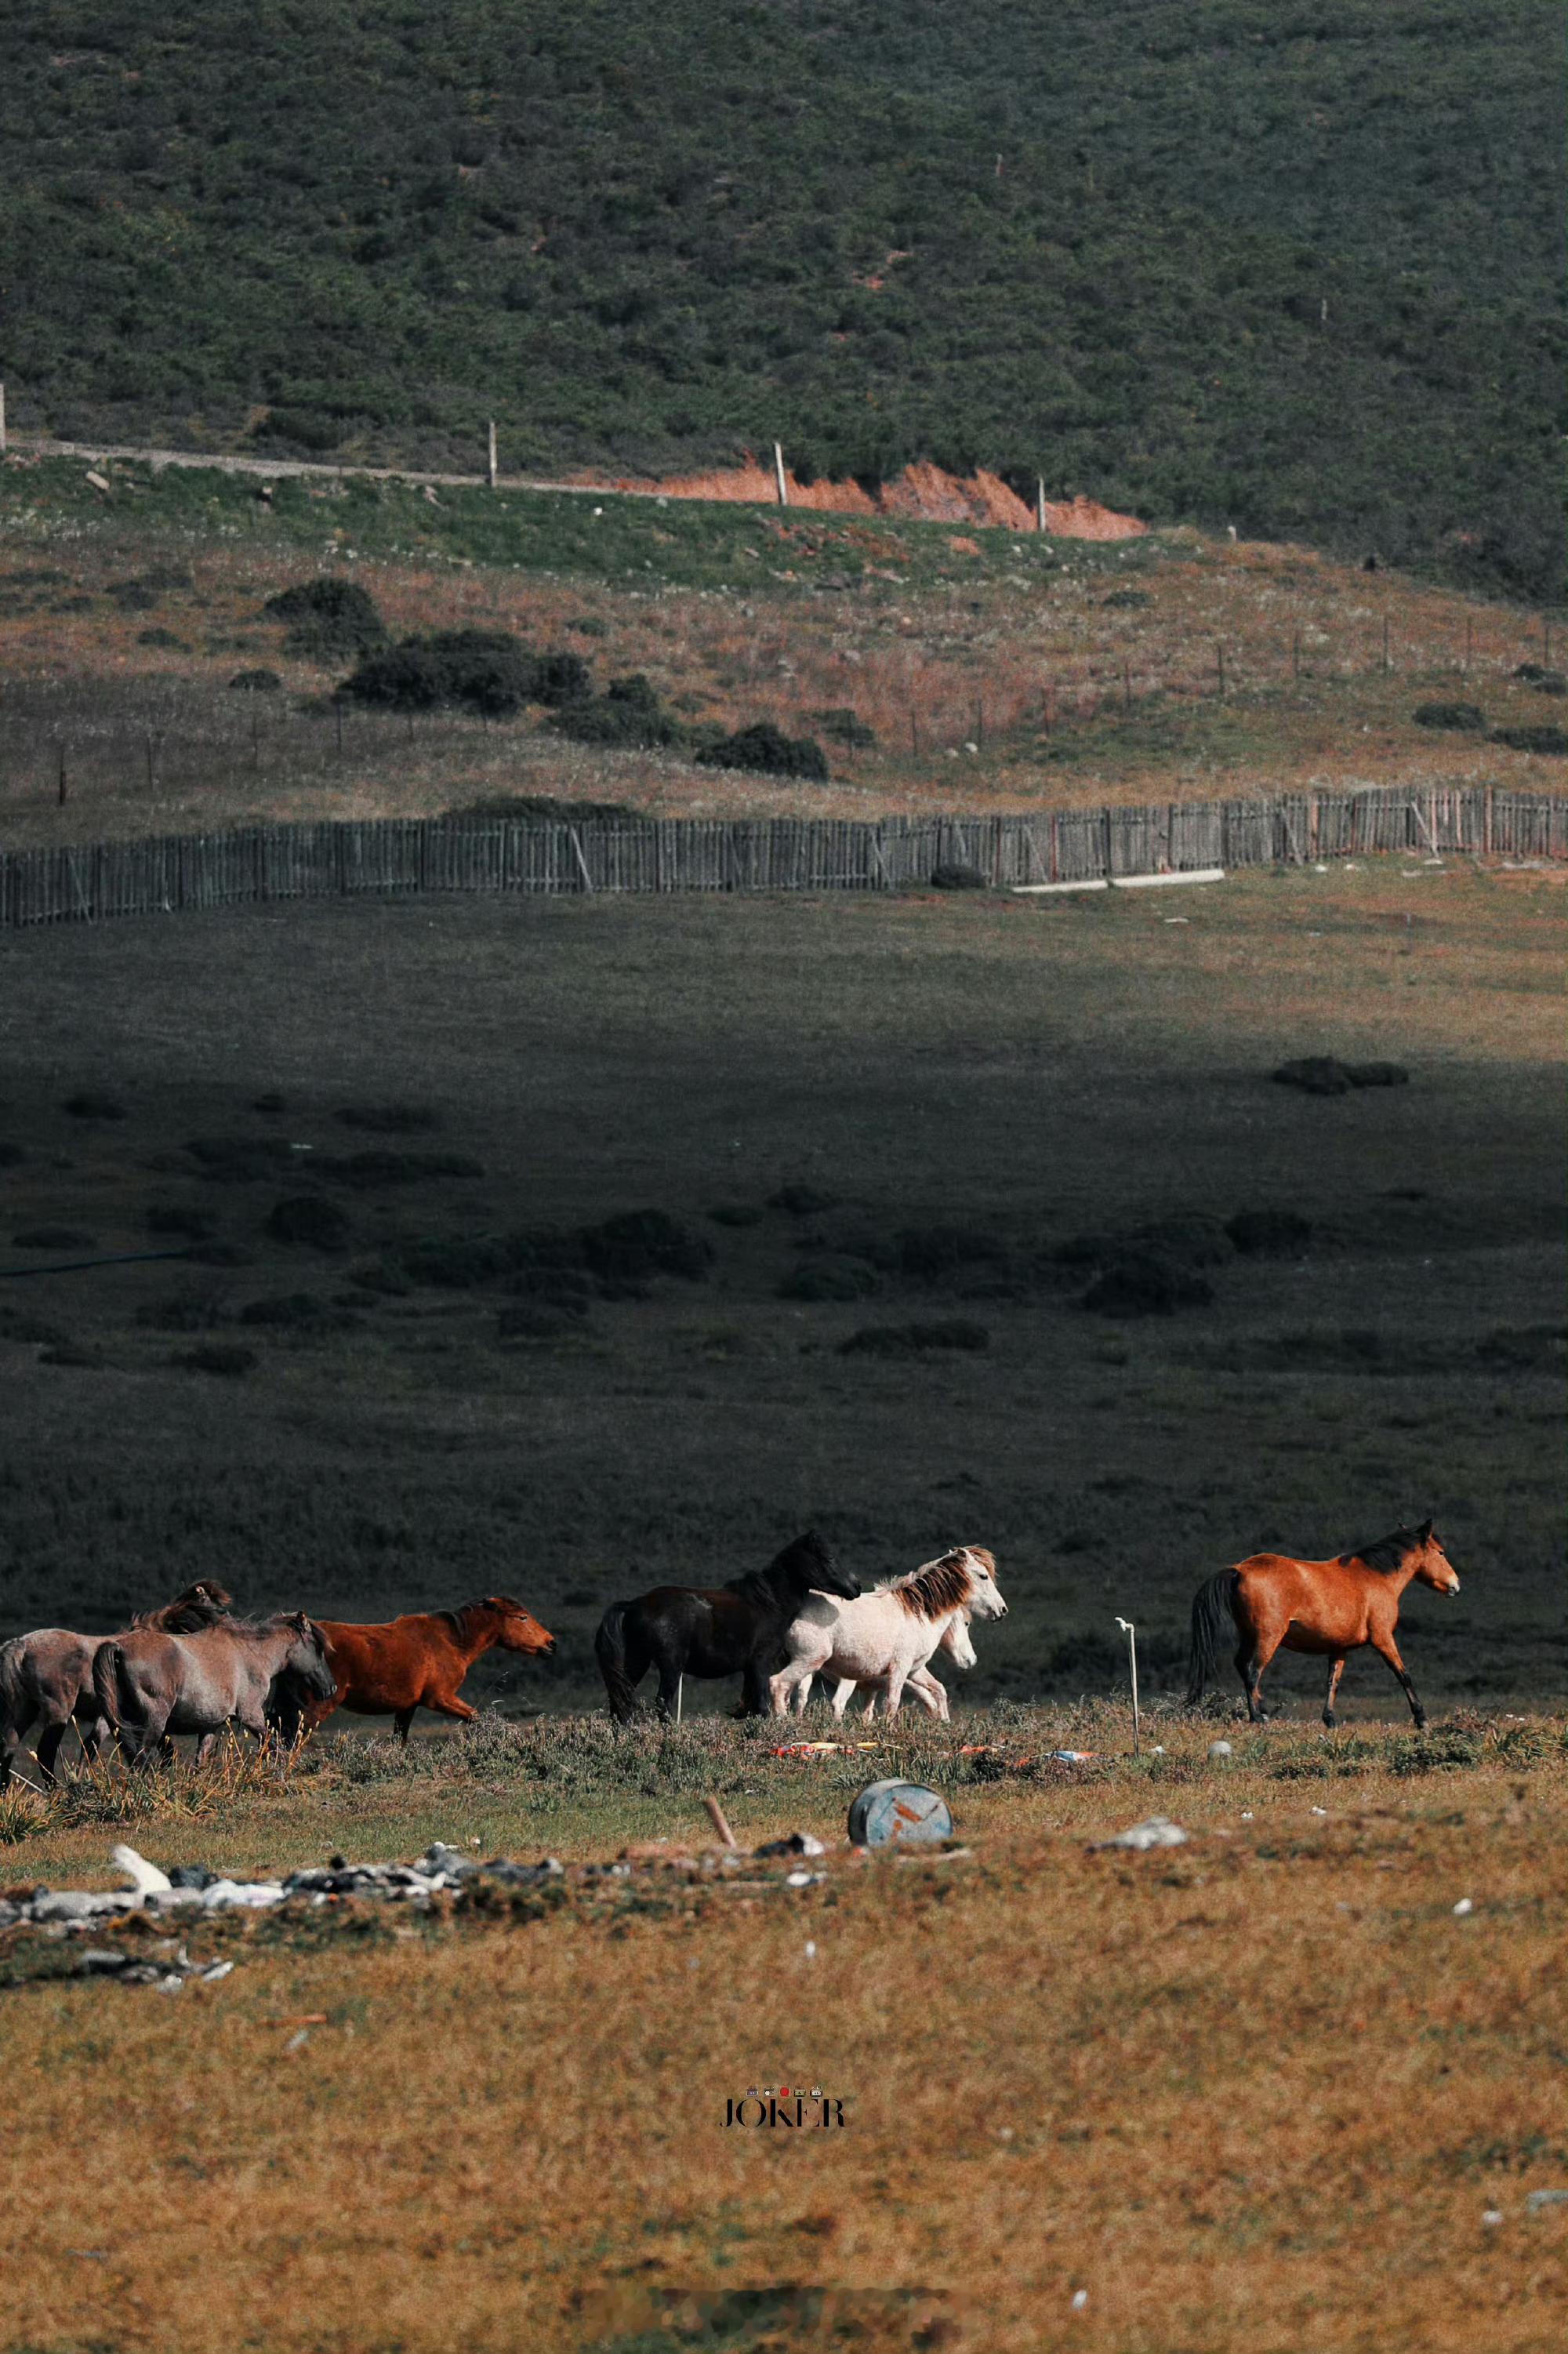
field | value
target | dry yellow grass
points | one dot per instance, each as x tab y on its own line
997	694
1259	2092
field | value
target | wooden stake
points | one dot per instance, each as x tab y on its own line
1131	1633
1039	503
716	1816
1385	660
680	1696
1220	660
62	777
492	466
783	487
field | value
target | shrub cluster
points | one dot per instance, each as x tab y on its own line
486	671
763	747
628	715
328	621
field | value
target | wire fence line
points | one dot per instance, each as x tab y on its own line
245	865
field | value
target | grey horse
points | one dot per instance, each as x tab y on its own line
46	1678
150	1685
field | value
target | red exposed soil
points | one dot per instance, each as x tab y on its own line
922	492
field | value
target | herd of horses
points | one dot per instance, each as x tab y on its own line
194	1668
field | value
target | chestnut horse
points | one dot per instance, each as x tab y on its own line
419	1661
1329	1606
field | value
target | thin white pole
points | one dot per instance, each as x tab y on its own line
1039	503
1131	1633
492	470
680	1694
778	474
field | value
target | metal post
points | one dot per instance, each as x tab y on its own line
680	1693
492	468
1131	1633
780	484
1039	503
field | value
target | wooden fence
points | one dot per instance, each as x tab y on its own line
251	863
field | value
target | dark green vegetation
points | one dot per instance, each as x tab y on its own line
1297	271
484	1364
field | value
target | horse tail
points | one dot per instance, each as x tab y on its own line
609	1649
1213	1604
18	1701
109	1687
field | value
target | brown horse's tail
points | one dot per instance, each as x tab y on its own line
18	1699
109	1684
609	1649
1213	1605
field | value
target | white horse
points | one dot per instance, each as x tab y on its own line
883	1637
927	1687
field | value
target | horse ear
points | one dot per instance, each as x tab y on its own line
1424	1532
299	1620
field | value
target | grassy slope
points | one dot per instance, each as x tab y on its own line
995	670
659	232
1258	2091
1030	1070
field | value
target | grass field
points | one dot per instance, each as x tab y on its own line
1269	2090
975	1087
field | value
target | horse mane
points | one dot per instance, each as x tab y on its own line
199	1605
942	1586
800	1556
458	1619
1389	1553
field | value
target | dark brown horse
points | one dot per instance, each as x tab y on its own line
723	1630
1278	1603
419	1661
46	1678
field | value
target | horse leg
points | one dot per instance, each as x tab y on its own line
49	1749
447	1704
754	1695
1388	1650
403	1719
1335	1669
897	1678
1257	1651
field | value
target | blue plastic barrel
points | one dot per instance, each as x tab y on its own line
901	1814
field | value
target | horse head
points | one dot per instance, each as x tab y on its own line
1434	1568
814	1553
985	1595
514	1628
956	1641
305	1661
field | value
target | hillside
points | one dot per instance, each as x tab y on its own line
938	668
1296	272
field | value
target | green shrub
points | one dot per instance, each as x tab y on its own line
329	619
1466	718
256	682
829	1278
763	747
914	1340
628	715
1552	741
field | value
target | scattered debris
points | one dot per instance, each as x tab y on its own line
1464	1905
1156	1831
798	1843
1537	2200
1219	1749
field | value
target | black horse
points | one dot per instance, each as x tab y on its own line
721	1630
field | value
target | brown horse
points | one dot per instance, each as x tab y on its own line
1329	1606
47	1677
420	1660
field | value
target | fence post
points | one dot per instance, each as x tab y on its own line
491	470
780	484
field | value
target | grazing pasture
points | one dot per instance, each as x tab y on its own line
566	1250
